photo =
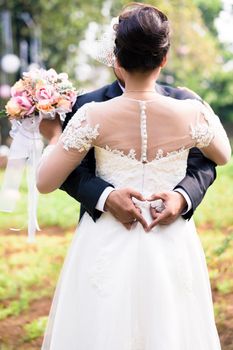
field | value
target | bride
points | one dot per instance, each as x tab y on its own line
147	288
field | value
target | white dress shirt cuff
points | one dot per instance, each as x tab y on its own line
187	198
101	202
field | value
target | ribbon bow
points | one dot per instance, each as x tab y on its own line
25	150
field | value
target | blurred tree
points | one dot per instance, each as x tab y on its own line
194	54
210	10
219	88
196	59
219	94
62	24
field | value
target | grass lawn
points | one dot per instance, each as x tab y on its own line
28	272
54	209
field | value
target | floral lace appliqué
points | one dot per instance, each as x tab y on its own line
79	136
100	274
160	153
185	277
131	154
202	133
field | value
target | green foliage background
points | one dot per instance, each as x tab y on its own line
196	59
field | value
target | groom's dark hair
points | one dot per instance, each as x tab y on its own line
142	37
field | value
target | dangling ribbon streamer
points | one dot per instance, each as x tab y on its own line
25	150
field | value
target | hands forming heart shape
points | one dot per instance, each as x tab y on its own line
130	207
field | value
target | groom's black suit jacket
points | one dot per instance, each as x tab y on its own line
85	187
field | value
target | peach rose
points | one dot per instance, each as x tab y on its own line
13	109
18	89
44	106
64	105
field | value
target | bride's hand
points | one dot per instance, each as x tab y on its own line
120	204
51	129
174	205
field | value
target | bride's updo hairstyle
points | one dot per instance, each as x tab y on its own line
142	37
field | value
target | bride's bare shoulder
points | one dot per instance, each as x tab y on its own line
180	106
162	104
100	108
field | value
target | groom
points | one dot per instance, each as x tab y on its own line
97	195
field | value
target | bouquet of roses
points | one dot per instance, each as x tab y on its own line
42	93
39	94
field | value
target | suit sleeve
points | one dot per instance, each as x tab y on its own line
82	184
201	173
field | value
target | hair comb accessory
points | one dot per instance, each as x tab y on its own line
103	50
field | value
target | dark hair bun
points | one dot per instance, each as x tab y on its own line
142	38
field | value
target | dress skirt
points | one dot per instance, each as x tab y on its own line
131	290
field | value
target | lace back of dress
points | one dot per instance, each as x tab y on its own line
148	130
141	130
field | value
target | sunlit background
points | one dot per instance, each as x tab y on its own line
61	35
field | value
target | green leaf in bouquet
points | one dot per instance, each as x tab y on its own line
3	113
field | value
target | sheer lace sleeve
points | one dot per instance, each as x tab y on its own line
74	143
79	134
209	135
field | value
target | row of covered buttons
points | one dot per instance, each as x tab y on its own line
143	131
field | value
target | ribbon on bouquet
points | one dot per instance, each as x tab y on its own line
25	152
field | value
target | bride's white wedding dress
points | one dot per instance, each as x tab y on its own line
131	290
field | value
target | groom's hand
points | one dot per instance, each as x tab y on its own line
120	204
174	204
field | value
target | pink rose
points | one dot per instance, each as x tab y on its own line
72	96
47	93
19	107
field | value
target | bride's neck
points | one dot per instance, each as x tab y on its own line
140	82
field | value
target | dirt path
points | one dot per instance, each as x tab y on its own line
12	333
45	231
12	328
225	327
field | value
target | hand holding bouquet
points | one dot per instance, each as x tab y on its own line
40	94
